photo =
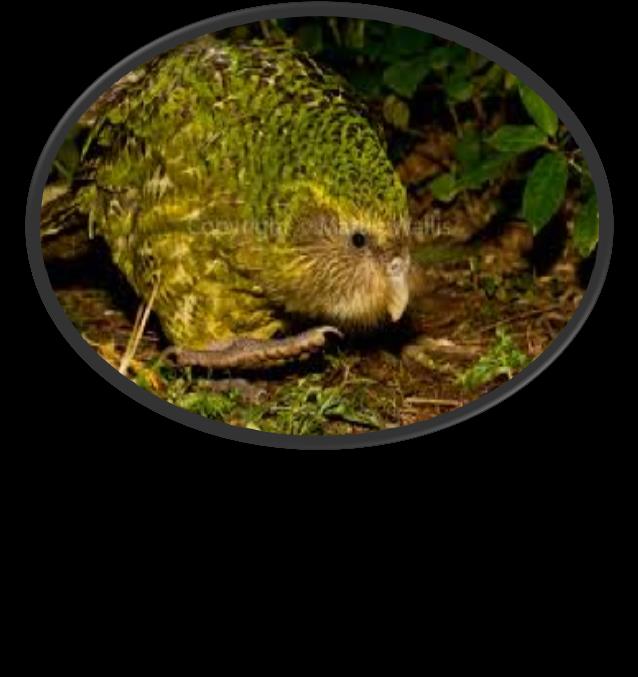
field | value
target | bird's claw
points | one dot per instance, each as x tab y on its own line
247	353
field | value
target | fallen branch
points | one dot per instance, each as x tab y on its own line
521	316
437	402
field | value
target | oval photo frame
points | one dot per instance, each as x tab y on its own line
296	10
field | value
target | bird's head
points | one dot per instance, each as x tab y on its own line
350	265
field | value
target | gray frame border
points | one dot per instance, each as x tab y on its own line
299	9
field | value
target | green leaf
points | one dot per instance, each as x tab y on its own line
493	78
545	190
444	187
67	159
404	42
459	90
405	76
468	149
540	111
440	58
396	112
517	138
510	80
477	61
491	168
586	227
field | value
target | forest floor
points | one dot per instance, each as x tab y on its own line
481	317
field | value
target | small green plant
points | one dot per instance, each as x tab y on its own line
307	406
502	359
212	405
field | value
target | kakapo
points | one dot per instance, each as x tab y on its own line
241	186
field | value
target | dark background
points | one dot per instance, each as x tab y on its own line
548	427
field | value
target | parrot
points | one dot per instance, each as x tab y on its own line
244	191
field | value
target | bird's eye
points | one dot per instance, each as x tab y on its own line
358	240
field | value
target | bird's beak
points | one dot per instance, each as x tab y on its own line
398	286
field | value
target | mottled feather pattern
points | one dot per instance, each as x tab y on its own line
233	177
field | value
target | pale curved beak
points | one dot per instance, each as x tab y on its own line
398	286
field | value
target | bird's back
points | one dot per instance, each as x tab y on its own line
199	153
214	131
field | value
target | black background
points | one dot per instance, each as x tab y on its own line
551	429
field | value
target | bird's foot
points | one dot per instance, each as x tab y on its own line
246	353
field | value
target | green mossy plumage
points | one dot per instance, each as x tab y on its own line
233	177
